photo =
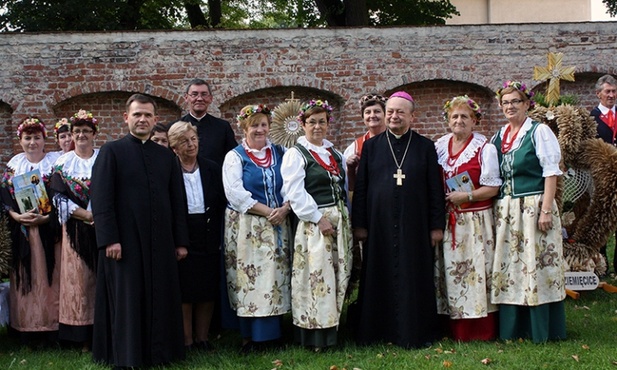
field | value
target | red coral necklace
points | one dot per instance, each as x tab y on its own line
332	167
265	162
506	144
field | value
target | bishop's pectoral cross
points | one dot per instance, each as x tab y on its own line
399	176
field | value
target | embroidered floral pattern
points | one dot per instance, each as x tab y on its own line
80	187
529	264
257	265
321	271
463	274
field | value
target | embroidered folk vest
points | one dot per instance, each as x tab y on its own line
264	183
325	188
520	167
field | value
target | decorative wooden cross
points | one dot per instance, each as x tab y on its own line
553	72
292	99
399	176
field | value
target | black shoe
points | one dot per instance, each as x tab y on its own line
252	347
204	346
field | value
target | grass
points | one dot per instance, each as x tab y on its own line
591	330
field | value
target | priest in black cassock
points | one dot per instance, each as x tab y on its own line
140	222
216	136
399	213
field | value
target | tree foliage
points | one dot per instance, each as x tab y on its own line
91	15
612	7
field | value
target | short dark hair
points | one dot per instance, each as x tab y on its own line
140	98
197	81
159	127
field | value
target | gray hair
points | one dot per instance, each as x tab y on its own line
606	79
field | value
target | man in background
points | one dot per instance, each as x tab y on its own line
604	114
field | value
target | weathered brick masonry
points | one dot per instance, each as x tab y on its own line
52	75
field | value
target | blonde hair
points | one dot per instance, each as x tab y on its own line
177	130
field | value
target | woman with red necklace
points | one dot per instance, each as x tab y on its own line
257	232
314	181
464	260
528	270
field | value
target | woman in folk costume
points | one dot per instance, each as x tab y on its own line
372	108
464	261
64	139
528	271
70	184
257	231
36	255
314	182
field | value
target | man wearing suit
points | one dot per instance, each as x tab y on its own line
604	114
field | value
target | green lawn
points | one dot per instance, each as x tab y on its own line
591	330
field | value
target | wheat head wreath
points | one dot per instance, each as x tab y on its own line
590	217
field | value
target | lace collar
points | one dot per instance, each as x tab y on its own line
469	153
75	166
256	151
20	164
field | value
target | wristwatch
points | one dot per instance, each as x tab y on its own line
470	196
546	212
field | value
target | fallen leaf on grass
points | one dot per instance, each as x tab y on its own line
380	355
333	367
486	361
581	308
575	357
428	357
23	362
500	351
438	350
277	363
447	363
584	346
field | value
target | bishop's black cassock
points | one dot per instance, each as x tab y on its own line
396	299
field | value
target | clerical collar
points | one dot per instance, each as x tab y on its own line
198	118
398	136
136	138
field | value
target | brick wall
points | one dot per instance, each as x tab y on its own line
53	75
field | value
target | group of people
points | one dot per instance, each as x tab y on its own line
145	242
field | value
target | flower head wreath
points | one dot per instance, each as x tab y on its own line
59	124
31	122
467	100
520	87
315	103
369	98
253	109
84	115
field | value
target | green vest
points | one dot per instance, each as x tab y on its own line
325	188
520	167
